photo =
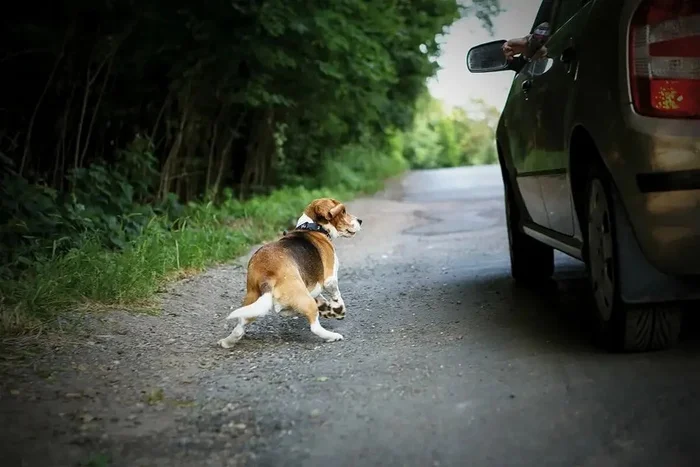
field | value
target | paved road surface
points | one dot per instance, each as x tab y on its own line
446	362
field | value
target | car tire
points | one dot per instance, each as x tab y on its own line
619	326
530	261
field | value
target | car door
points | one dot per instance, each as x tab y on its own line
553	92
520	130
519	123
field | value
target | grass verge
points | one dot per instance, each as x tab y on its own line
206	235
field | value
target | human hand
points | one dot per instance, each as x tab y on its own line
513	47
541	53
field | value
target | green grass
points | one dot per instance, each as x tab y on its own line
92	277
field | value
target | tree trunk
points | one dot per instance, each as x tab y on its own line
26	155
170	161
259	155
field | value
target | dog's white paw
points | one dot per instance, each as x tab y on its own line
334	336
236	335
226	344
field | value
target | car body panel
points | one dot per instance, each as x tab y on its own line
518	105
554	94
666	224
654	163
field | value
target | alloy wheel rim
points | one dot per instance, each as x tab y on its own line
600	250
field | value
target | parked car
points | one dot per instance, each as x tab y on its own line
599	147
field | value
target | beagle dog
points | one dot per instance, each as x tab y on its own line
288	275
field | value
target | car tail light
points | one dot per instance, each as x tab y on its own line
664	54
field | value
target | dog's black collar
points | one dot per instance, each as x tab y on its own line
312	227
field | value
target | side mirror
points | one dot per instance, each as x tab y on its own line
487	57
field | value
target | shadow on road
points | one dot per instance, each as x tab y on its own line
555	315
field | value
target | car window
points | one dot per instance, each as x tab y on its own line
544	14
564	10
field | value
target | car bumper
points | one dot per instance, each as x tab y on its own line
660	189
667	225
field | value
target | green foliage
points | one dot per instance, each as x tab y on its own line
110	205
440	138
209	84
484	10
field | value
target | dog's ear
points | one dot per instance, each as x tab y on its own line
322	212
336	210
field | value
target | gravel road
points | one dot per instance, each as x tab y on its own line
445	362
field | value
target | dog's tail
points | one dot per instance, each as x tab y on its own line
260	307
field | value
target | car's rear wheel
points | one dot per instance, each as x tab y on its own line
619	327
530	260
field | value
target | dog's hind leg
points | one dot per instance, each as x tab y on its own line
259	307
236	335
251	300
296	296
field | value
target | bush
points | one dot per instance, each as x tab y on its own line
109	205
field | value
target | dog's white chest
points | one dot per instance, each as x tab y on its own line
336	265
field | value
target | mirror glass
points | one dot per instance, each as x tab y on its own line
487	57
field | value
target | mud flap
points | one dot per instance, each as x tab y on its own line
640	282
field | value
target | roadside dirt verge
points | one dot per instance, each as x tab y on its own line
135	389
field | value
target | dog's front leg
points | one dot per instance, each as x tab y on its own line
324	308
337	305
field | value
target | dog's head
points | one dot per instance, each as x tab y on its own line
332	215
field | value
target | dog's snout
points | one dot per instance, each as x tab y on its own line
359	221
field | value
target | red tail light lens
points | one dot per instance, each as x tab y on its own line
664	53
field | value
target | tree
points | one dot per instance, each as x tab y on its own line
441	138
145	103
